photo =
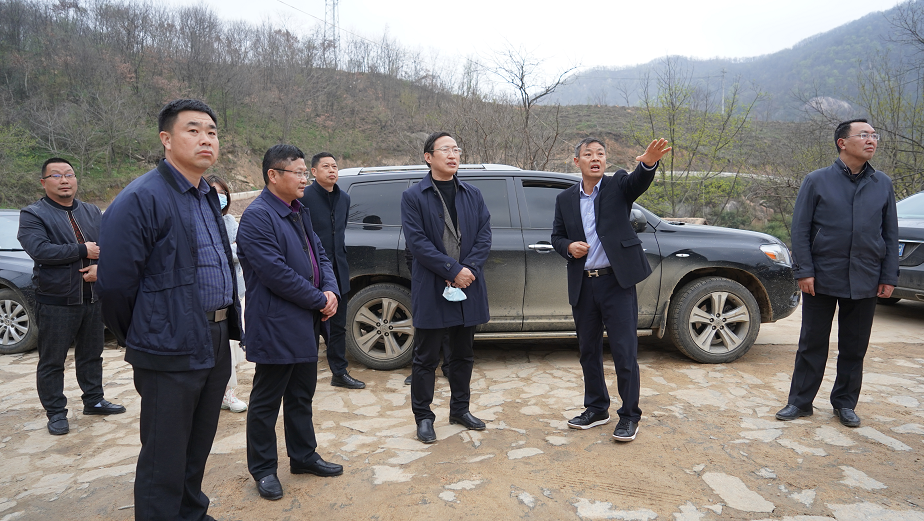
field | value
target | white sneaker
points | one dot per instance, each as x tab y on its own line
232	402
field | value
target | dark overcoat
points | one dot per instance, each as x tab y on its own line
845	232
329	212
423	223
282	300
612	207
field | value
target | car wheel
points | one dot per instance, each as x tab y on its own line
714	320
379	330
891	301
18	329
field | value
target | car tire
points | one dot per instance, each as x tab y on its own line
713	320
379	329
891	301
18	328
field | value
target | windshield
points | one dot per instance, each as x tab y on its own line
911	207
9	225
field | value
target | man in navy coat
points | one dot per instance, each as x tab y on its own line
329	206
845	255
448	231
605	262
291	292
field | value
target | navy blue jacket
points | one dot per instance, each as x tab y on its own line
845	232
147	275
329	216
282	301
46	234
612	207
423	224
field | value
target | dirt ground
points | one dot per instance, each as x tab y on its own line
708	447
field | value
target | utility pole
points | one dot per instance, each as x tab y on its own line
332	27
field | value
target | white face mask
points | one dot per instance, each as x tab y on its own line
222	200
454	294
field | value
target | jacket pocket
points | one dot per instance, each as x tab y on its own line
163	313
631	242
54	280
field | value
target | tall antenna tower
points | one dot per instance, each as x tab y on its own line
332	27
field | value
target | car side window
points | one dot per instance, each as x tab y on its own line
376	204
494	192
540	202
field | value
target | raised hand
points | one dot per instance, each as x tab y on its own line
655	151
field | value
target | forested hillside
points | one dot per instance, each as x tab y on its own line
823	65
84	79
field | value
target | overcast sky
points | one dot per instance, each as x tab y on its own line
607	33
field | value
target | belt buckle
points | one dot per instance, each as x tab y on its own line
593	273
221	314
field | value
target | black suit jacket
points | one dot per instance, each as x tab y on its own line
612	206
329	212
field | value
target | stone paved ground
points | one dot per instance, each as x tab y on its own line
709	447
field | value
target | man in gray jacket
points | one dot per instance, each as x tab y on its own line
59	232
845	251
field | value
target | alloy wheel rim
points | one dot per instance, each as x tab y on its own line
719	322
14	322
383	328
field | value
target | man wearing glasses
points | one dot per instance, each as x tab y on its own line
291	293
845	255
60	232
448	231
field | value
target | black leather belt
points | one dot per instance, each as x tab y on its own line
219	315
597	272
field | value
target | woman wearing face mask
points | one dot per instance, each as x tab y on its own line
230	401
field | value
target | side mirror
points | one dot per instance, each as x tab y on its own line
638	221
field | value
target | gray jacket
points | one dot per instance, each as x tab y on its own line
46	234
845	232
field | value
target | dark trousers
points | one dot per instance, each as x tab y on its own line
179	418
336	346
855	322
294	386
59	327
428	343
604	303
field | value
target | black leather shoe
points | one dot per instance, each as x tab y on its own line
588	419
345	380
468	421
322	468
626	430
105	407
791	412
407	381
425	432
269	487
57	425
847	417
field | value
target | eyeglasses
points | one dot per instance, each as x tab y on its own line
57	177
455	150
302	174
866	135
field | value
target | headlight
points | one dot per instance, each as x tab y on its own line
778	253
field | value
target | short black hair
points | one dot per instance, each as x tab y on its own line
431	140
315	159
587	141
54	160
168	114
843	130
278	156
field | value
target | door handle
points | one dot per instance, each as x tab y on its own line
541	248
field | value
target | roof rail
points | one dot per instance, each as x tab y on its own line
407	168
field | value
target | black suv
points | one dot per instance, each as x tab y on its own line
18	330
709	291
